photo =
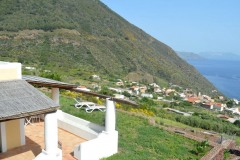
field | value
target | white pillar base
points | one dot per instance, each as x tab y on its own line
44	155
110	116
51	152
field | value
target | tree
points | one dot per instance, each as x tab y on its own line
230	103
125	93
237	123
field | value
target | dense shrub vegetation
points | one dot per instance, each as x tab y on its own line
200	119
210	123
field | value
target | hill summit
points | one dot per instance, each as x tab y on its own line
80	37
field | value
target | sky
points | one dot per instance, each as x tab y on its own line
186	25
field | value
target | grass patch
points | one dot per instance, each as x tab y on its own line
138	139
67	105
238	140
169	122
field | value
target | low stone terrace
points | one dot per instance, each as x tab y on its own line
35	143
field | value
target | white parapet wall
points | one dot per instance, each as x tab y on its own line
105	145
78	126
100	144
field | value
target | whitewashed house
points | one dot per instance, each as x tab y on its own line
147	95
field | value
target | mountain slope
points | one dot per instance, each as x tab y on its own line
76	37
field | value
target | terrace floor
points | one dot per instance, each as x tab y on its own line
35	143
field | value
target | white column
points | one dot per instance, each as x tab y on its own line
110	116
51	151
55	95
3	137
19	70
51	134
22	131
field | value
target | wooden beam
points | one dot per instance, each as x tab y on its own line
72	87
105	96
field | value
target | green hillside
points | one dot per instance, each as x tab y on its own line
76	38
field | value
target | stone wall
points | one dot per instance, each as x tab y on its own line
217	153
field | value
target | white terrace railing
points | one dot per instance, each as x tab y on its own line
100	144
78	126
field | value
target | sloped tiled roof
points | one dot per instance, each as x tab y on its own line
20	99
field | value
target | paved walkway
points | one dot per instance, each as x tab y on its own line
35	143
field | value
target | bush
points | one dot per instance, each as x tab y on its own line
209	123
54	76
201	147
237	123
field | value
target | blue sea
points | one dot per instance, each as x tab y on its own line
223	74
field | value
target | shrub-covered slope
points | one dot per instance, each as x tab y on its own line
75	37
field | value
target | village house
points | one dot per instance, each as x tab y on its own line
120	83
233	110
30	68
134	83
214	106
83	88
95	87
207	98
236	101
142	89
96	77
219	106
156	88
153	85
193	100
120	96
147	95
221	97
118	90
207	106
135	89
168	91
182	95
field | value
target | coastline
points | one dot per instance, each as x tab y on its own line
223	74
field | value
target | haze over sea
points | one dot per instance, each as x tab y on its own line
223	74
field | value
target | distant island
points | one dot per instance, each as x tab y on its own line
189	56
220	55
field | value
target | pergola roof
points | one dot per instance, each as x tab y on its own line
47	82
57	84
20	99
